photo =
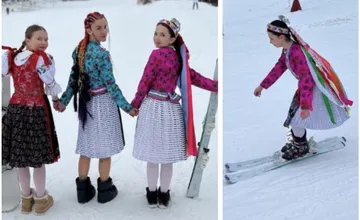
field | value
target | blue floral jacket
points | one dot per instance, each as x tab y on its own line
98	66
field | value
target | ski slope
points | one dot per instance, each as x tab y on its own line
323	187
131	32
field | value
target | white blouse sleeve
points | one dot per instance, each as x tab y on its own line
4	64
47	75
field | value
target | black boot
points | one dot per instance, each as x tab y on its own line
164	199
107	191
152	198
297	148
85	190
287	146
291	143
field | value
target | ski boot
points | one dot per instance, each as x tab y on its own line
296	148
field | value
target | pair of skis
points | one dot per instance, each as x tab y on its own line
240	171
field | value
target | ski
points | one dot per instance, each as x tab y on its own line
203	150
236	166
322	147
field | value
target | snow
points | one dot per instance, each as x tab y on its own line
324	187
131	30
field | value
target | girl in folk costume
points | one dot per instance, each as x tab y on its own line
320	102
100	132
28	132
165	130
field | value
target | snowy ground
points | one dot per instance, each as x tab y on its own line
131	29
325	187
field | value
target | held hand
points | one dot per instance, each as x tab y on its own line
55	104
58	106
61	107
304	114
258	90
134	112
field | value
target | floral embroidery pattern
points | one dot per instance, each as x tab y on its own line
162	72
298	65
98	66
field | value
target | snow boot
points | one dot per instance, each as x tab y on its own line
27	202
85	190
43	204
152	198
107	191
164	198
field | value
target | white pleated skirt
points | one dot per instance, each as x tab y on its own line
319	118
160	133
103	135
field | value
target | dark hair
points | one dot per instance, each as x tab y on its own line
177	44
80	80
28	35
282	24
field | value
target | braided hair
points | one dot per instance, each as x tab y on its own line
13	52
28	35
80	78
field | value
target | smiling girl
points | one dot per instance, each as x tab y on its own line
28	132
100	133
164	132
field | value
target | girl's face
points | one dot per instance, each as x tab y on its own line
162	37
277	41
38	41
98	30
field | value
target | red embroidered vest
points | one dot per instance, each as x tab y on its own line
29	88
